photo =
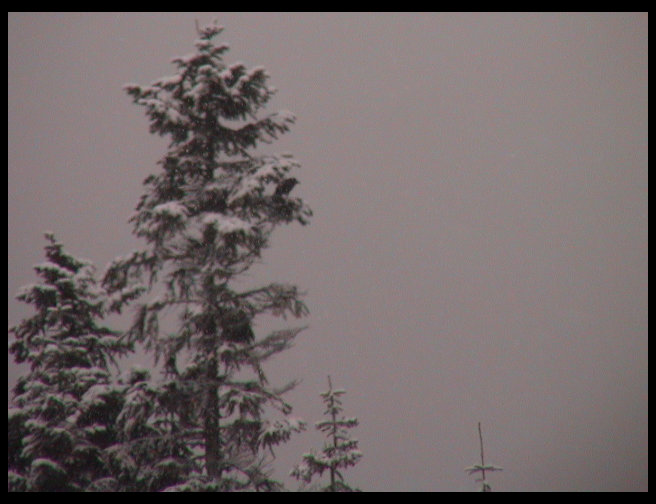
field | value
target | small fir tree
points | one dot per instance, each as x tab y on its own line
482	467
206	217
62	411
339	452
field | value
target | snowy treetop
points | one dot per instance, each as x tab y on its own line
206	90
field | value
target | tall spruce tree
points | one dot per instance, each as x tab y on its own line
62	411
339	452
206	217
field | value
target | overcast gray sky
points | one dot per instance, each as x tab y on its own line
479	247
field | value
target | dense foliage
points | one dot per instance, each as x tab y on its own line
206	218
62	413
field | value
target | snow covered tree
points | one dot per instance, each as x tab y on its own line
62	411
482	467
206	216
147	455
339	451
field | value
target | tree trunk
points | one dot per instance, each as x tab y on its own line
212	432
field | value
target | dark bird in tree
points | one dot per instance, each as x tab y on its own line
237	327
286	186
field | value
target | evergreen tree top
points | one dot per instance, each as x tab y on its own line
339	452
482	468
68	305
215	201
208	94
60	420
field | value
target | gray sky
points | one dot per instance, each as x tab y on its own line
479	247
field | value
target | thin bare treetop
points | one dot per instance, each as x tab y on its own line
482	467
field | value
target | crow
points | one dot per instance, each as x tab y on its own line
286	186
237	327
